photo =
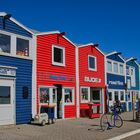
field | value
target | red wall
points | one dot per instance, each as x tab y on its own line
83	66
83	71
45	67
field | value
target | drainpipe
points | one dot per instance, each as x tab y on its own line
77	84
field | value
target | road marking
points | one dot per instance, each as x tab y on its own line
125	135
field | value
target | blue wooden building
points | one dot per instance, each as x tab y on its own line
115	78
16	70
132	78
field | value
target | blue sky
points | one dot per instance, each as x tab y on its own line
114	24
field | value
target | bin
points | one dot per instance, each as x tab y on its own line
94	110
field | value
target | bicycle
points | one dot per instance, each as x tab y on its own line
109	121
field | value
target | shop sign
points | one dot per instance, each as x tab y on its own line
116	83
55	77
7	71
92	79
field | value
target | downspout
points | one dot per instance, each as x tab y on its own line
34	76
77	84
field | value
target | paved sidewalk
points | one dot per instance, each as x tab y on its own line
72	129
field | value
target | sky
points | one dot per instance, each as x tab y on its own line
113	24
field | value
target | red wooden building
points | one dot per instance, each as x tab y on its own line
91	78
56	72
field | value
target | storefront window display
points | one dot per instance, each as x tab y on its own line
84	94
116	94
110	96
121	95
44	95
68	95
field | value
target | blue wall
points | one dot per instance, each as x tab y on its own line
133	64
23	78
10	26
115	58
115	78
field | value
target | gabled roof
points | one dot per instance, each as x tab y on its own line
55	32
91	44
131	59
113	53
16	22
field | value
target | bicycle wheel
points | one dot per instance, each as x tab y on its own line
104	122
118	122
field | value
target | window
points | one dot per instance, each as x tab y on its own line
109	66
68	96
121	95
127	70
58	56
116	95
92	63
128	96
5	42
121	69
115	67
22	47
84	94
5	95
44	95
110	96
133	79
54	95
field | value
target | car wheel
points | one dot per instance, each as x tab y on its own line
43	123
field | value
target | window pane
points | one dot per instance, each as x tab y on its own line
121	69
110	96
84	94
68	95
128	96
127	70
116	95
109	66
54	95
44	95
22	47
58	55
121	95
5	43
92	62
115	65
4	95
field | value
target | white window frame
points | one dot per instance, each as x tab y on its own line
120	69
6	53
133	77
117	67
118	63
123	96
13	45
57	63
29	46
73	96
85	101
111	66
95	63
110	91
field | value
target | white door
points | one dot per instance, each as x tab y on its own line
7	102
